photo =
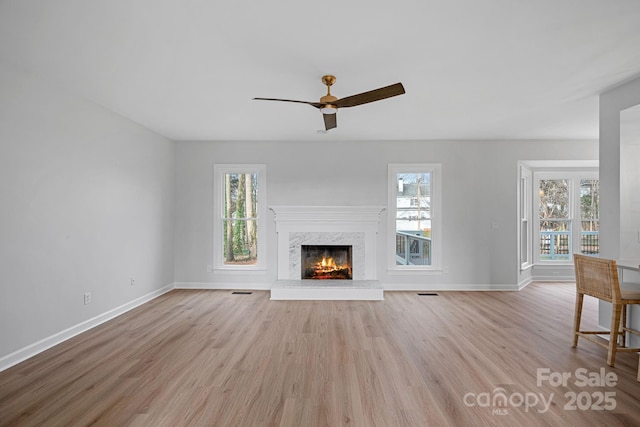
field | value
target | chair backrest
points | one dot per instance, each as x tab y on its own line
597	277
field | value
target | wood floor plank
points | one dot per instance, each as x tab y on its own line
211	358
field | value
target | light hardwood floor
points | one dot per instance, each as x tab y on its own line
212	358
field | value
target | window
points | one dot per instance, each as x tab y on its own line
239	214
524	213
414	213
567	215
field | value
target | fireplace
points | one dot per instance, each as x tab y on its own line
347	233
355	226
326	262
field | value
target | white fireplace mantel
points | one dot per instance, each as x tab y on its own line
286	215
352	225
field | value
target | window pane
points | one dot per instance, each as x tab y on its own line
413	218
240	243
524	214
554	198
524	242
589	217
241	195
555	227
555	240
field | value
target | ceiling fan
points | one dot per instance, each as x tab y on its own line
329	104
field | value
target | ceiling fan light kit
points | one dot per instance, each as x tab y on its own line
329	104
329	109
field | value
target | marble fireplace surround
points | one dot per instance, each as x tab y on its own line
327	225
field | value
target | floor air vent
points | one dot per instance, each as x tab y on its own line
427	294
241	293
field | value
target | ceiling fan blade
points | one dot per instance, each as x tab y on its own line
313	104
330	121
371	96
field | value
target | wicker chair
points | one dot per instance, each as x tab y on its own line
598	278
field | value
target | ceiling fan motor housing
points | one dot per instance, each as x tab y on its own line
328	99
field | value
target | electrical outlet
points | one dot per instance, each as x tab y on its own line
132	281
87	298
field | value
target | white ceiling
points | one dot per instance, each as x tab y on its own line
472	69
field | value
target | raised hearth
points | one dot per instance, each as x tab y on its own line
370	290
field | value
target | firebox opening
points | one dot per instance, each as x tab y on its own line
326	262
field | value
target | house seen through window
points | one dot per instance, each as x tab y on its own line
414	206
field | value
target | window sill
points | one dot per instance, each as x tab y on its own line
409	271
526	267
239	270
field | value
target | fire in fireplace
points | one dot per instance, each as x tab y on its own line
326	262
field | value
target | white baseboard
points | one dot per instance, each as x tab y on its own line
55	339
256	286
451	287
544	278
523	284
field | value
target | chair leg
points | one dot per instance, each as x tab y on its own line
576	319
623	325
616	312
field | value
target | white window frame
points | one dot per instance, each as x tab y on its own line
574	177
435	169
525	212
219	171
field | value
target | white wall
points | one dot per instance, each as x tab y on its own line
87	202
612	103
479	188
630	183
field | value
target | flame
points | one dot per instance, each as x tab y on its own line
328	263
327	266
